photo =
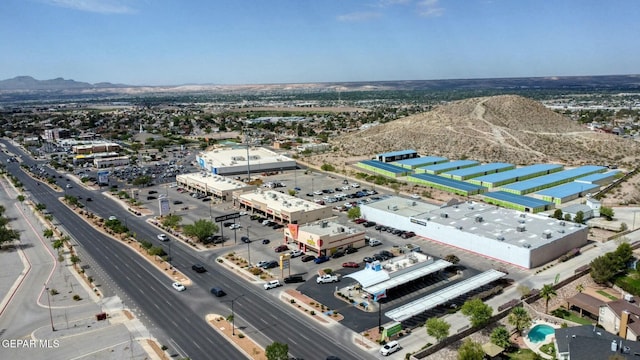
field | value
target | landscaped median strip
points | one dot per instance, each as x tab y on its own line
240	341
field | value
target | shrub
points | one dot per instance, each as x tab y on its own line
77	297
312	312
164	348
240	335
292	301
53	292
220	260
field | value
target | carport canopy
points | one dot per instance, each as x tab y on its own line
407	277
440	297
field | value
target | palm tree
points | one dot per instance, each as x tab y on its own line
580	288
519	318
547	293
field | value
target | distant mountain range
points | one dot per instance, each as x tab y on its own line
27	83
576	83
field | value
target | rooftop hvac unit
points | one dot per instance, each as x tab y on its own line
546	234
561	231
561	223
521	221
501	238
444	215
471	207
323	224
459	227
521	228
523	215
479	219
394	208
526	245
341	229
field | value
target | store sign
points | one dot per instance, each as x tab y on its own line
419	222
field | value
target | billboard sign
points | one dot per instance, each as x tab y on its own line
227	217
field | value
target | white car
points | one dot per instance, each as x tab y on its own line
111	218
178	286
163	237
272	284
346	187
355	185
261	263
415	196
389	348
235	226
296	253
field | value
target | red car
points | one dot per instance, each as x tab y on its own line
282	248
359	221
350	264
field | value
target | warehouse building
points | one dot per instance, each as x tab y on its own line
384	169
599	178
527	172
420	162
475	171
551	180
522	239
445	184
566	192
446	166
240	161
517	202
397	155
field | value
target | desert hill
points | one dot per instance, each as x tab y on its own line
505	128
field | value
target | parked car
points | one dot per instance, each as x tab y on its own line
293	279
386	253
245	239
350	264
326	279
281	248
307	258
408	234
350	250
235	226
389	348
374	242
177	202
369	224
296	253
338	254
272	284
271	264
262	263
178	286
198	268
321	259
265	241
368	259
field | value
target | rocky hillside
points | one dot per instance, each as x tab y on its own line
504	128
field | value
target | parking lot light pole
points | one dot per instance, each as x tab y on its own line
170	266
46	289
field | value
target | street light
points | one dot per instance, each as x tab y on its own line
46	289
233	316
248	247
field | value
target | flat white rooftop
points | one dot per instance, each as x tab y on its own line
213	181
236	157
279	201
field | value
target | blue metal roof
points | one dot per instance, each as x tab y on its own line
568	189
551	178
384	166
478	169
449	165
515	173
457	184
396	153
517	199
598	176
422	160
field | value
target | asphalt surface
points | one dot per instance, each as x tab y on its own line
178	318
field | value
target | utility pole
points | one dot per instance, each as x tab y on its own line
46	288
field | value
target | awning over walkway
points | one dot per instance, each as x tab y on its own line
585	302
440	297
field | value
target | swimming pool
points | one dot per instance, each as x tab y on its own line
539	332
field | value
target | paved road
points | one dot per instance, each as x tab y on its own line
177	318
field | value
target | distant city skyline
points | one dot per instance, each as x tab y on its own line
161	42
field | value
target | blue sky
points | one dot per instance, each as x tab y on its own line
171	42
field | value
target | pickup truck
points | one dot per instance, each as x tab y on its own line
326	279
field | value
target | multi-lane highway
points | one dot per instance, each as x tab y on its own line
178	318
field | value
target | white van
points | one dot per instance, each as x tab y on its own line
389	348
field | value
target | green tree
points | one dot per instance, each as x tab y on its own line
519	318
624	253
8	235
201	229
567	217
143	180
156	251
74	259
437	328
557	214
171	221
353	213
470	350
277	351
547	293
579	218
48	233
500	336
478	312
57	245
327	167
603	268
607	212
